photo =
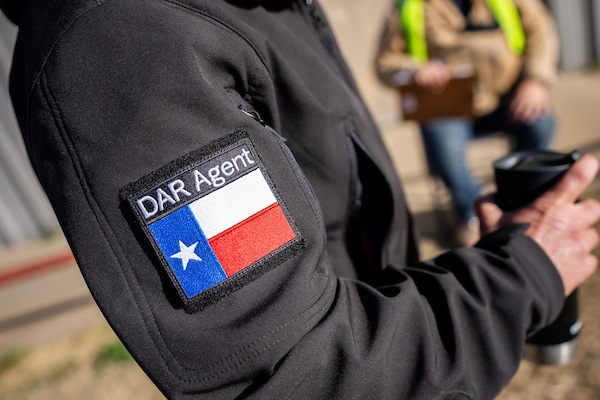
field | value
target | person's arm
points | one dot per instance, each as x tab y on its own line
126	121
433	75
563	228
445	28
529	101
540	59
531	97
394	66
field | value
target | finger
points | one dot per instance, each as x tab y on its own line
588	212
582	243
515	109
532	113
589	239
527	115
489	214
572	185
522	112
586	268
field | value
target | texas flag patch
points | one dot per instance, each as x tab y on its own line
214	220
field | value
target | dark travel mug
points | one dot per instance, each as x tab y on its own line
520	178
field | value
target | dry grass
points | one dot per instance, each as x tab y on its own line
68	369
579	380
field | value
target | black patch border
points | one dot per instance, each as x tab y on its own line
132	191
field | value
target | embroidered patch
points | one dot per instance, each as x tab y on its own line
214	220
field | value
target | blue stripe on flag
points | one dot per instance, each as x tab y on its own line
187	251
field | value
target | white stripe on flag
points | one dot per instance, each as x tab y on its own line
233	203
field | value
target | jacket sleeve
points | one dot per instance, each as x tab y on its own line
124	131
391	57
540	60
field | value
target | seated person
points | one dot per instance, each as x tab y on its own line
513	49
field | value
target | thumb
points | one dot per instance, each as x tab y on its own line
571	186
489	214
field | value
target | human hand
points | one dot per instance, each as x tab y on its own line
562	227
434	75
530	101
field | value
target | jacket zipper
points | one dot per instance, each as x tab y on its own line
256	116
326	36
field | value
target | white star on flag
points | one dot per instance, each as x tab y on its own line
186	253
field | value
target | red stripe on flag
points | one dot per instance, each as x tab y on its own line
252	239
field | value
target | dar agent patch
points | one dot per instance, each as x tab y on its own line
214	220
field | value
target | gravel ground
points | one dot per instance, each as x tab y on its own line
579	380
65	370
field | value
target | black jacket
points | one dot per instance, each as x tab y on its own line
133	111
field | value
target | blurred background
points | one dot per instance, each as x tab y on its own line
55	344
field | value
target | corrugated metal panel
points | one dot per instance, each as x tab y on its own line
24	209
595	22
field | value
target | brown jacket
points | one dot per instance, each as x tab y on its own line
497	67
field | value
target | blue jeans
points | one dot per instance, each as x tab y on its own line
446	140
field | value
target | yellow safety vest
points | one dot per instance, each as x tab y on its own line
412	20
